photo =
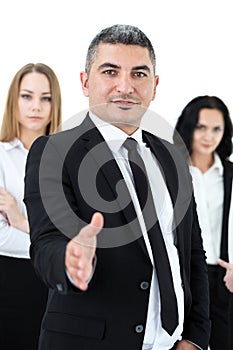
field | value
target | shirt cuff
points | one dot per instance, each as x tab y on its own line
193	344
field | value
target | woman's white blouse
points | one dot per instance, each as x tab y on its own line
208	192
13	155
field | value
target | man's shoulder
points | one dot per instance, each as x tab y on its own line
162	144
60	140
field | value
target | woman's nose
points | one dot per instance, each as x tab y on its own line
36	104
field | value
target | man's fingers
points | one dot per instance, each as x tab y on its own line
80	252
78	279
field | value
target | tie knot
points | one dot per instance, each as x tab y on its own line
130	144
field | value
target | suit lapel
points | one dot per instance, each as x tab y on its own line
169	163
112	186
166	163
100	153
227	181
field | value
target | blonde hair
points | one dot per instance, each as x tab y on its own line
10	125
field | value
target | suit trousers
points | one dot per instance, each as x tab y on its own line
221	310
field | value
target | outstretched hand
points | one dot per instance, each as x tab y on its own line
80	252
228	278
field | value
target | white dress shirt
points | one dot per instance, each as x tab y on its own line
156	338
230	226
230	230
13	155
208	192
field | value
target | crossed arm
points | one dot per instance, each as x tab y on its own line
9	208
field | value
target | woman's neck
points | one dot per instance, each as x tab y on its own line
28	138
202	162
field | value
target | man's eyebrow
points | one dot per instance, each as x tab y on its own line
143	67
108	65
112	65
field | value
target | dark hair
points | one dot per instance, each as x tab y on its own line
119	34
186	123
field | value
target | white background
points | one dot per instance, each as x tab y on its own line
192	41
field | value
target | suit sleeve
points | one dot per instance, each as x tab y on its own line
195	277
50	205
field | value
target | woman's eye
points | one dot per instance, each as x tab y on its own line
47	99
218	129
200	127
26	96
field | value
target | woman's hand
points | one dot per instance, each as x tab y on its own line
11	211
228	279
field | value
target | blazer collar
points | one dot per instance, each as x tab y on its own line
98	149
165	160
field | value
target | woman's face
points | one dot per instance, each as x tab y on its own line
34	103
208	132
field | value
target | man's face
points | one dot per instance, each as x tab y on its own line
121	85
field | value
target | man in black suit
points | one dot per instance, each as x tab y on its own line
92	241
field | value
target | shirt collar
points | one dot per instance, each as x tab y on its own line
16	143
114	136
217	165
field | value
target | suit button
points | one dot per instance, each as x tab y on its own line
139	328
59	287
144	285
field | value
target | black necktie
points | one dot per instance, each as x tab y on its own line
169	310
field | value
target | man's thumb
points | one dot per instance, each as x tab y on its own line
97	221
90	231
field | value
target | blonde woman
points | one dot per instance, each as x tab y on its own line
33	108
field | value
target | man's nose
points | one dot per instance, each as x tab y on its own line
124	83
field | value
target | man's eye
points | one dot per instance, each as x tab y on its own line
109	72
139	74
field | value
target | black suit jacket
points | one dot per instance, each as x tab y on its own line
223	293
69	176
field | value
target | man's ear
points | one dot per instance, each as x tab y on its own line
84	82
156	83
